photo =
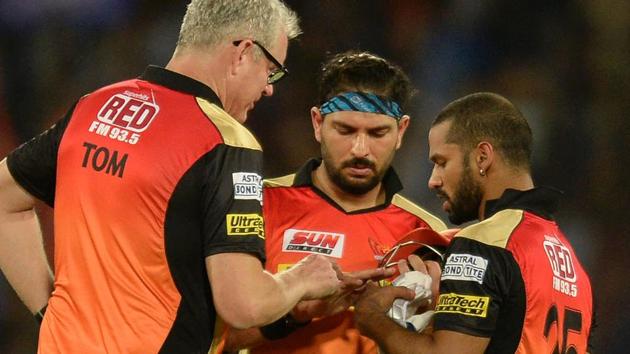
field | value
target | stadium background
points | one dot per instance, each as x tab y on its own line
564	63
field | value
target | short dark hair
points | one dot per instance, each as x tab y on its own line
489	116
363	72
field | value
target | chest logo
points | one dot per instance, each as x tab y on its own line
319	242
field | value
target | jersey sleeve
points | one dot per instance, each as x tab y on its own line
33	165
477	281
232	197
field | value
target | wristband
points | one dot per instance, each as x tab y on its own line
39	315
282	327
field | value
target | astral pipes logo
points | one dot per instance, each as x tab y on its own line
320	242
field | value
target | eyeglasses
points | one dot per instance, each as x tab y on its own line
279	72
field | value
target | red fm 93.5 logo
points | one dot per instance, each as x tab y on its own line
129	111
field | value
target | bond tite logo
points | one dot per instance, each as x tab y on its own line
564	276
245	225
247	186
320	242
465	267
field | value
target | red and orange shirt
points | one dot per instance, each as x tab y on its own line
301	220
515	279
147	177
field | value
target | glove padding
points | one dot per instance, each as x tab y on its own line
404	311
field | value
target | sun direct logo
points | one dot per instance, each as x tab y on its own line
467	305
319	242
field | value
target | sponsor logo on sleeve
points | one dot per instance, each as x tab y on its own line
320	242
561	261
247	186
467	305
465	267
245	225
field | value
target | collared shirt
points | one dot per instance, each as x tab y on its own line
515	278
148	177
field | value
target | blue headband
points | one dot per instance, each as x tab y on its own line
362	102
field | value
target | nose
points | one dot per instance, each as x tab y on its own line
268	90
359	146
434	181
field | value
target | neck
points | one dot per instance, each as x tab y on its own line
348	202
204	65
495	185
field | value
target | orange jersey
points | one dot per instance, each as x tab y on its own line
148	177
300	220
515	278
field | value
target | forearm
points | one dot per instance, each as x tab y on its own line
247	296
393	339
22	258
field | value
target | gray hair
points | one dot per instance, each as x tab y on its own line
209	22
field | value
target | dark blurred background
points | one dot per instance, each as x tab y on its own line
564	63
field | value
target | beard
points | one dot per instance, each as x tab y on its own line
466	200
353	185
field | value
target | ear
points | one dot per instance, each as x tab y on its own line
317	119
240	55
484	156
403	124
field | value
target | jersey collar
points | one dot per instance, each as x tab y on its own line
542	201
179	82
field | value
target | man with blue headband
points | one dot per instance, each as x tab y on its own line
345	205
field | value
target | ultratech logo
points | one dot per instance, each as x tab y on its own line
465	267
320	242
247	186
467	305
245	224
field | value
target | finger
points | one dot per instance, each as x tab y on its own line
417	263
401	292
340	274
403	267
434	270
373	273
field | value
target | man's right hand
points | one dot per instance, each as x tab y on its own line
317	276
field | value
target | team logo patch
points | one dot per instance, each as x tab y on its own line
129	110
561	261
465	267
245	225
467	305
247	186
320	242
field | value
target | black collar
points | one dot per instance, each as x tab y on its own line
542	201
303	178
179	82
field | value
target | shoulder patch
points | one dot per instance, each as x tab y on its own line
495	231
232	132
284	181
406	204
